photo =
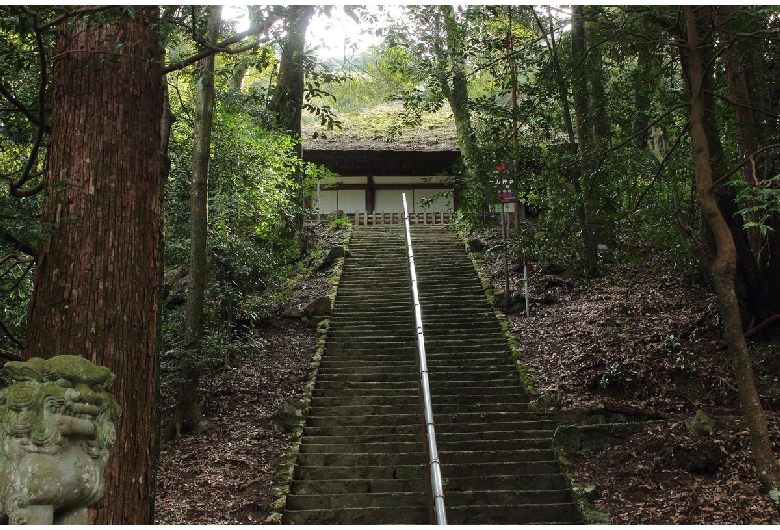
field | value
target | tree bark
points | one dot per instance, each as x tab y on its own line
189	414
96	289
763	277
287	98
449	50
721	262
586	186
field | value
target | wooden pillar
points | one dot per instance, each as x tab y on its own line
370	194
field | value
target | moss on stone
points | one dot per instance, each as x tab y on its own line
286	468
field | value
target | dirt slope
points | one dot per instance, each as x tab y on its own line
637	344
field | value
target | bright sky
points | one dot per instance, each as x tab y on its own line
337	36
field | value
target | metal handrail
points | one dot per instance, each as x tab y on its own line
437	489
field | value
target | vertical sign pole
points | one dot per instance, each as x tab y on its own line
506	261
525	284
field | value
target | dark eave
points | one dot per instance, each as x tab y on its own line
368	162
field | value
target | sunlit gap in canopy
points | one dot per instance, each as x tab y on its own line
332	33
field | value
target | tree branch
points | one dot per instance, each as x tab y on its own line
755	329
19	260
21	246
32	161
661	167
10	355
743	106
73	13
20	106
13	339
224	46
704	252
750	158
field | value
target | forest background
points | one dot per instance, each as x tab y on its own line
634	134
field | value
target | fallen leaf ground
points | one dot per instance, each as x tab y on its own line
641	342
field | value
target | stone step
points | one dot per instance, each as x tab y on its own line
536	420
375	360
367	385
340	399
489	514
363	430
359	485
408	499
452	485
443	362
366	303
416	515
377	351
470	325
362	439
460	342
344	316
378	341
341	501
328	408
362	421
438	383
359	356
363	425
468	350
451	469
438	376
416	436
373	394
526	473
362	458
455	450
368	331
513	456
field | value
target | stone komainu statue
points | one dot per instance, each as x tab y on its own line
56	427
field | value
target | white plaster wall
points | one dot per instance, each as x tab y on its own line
390	201
349	201
328	201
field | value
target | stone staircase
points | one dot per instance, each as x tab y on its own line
362	459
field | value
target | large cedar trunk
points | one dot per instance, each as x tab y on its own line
721	261
96	286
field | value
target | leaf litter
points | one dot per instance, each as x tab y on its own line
642	342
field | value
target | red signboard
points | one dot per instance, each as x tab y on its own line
505	191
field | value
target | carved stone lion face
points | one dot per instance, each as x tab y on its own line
57	399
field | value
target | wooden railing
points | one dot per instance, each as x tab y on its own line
391	218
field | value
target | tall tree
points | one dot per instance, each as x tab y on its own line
719	254
751	90
436	39
97	274
189	414
287	97
586	145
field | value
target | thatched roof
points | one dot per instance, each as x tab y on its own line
381	128
374	142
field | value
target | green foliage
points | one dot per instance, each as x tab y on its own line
758	203
340	222
250	208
